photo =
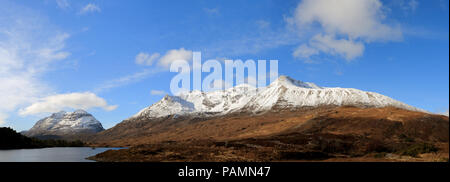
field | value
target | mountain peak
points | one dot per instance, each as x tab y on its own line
80	111
66	123
288	81
59	114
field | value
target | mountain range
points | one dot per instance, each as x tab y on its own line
287	120
283	93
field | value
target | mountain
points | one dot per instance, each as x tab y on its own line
287	120
63	124
283	93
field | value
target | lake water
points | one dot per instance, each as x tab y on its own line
57	154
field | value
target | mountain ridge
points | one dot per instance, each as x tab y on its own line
284	92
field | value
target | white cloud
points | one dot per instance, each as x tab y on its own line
164	61
353	18
146	59
347	23
60	102
63	4
305	51
348	49
174	55
158	92
90	8
29	45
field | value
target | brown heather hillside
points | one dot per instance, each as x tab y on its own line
326	134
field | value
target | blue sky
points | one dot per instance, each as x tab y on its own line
64	54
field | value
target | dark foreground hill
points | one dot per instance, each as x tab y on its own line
10	139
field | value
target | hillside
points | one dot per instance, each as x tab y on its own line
10	139
324	133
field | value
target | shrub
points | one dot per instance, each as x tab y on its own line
418	148
380	155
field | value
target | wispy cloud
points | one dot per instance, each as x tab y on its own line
165	60
90	8
424	33
158	92
146	59
408	6
262	23
125	80
63	4
29	45
250	44
412	5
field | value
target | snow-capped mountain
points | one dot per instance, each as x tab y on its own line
284	92
66	123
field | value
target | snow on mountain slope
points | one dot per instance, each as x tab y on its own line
168	105
63	123
284	92
216	102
